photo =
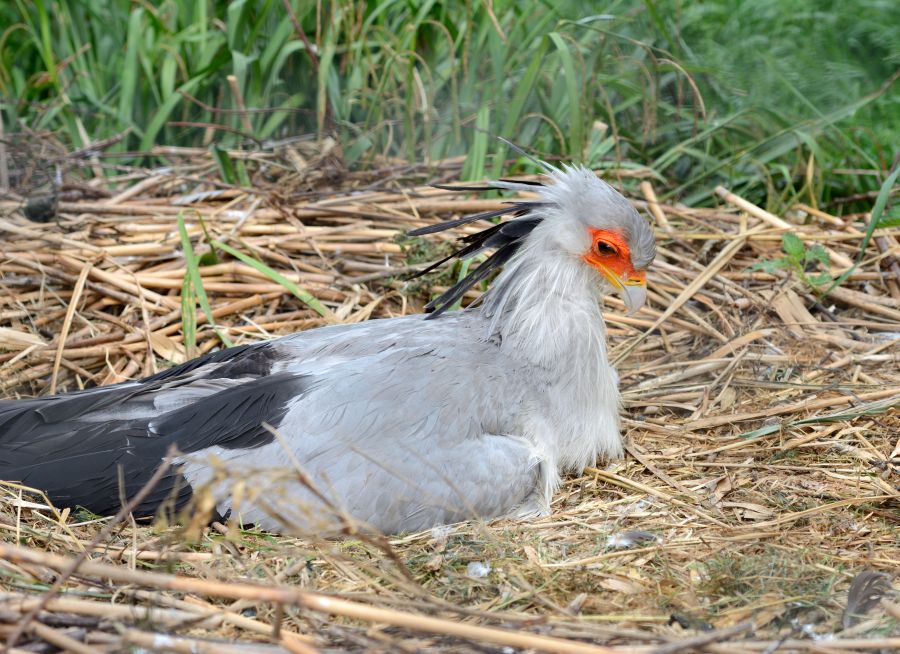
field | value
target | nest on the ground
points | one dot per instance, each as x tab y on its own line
757	508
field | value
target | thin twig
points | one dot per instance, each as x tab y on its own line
71	567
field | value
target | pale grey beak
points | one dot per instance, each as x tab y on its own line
633	290
634	295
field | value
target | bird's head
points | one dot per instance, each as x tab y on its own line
588	219
576	216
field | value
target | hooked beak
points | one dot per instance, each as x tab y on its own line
633	290
634	294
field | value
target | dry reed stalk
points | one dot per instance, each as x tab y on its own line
654	207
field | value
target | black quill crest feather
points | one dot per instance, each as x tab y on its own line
504	238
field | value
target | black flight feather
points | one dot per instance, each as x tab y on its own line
448	187
475	243
527	182
486	187
465	220
447	299
504	238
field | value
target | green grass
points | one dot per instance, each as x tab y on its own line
781	100
304	296
192	289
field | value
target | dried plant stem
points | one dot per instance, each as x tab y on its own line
71	566
312	601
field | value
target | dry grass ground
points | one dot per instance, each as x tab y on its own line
763	460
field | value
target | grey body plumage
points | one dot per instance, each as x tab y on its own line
402	423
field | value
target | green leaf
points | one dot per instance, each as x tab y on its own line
212	257
820	279
304	296
793	246
475	162
516	108
163	112
325	62
865	409
235	24
129	70
208	258
463	271
660	24
573	95
883	194
818	253
771	265
189	317
242	174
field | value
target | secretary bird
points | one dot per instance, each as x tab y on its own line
403	423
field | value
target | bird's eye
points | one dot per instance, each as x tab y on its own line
605	249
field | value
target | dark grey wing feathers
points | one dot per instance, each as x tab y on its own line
232	418
254	359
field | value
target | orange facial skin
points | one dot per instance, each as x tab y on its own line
610	256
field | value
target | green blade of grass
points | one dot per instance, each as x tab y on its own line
325	62
866	409
189	317
210	258
657	20
874	218
890	220
517	106
192	263
574	96
304	296
164	111
475	162
224	163
129	69
243	177
463	271
46	41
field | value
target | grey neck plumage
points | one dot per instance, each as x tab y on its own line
545	305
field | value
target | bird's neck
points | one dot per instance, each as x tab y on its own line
547	305
546	308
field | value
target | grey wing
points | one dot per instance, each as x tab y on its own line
402	430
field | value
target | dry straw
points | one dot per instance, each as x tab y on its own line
763	457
